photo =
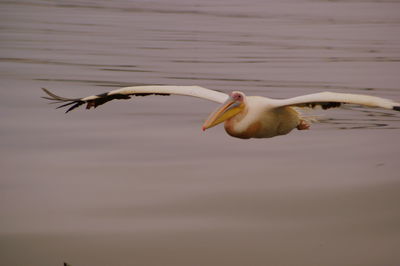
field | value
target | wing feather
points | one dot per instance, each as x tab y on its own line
331	99
128	92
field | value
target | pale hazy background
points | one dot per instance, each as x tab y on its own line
138	183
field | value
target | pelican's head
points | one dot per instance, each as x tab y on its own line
231	107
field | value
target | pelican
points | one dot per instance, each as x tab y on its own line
243	116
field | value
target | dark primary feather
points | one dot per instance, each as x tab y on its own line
324	105
58	99
327	105
102	99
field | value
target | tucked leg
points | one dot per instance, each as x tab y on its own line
303	125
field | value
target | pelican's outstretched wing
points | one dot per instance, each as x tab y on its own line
127	92
331	99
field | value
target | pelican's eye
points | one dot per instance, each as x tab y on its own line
237	97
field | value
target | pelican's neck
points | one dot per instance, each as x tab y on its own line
229	123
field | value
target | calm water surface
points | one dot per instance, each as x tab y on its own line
138	183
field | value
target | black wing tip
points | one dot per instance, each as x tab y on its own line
66	101
51	95
396	108
76	104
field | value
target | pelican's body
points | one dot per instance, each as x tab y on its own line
243	116
261	120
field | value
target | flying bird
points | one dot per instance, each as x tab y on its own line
243	116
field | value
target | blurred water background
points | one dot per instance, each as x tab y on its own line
138	183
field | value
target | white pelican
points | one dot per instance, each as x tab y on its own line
244	116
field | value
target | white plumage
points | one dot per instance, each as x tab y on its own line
194	91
